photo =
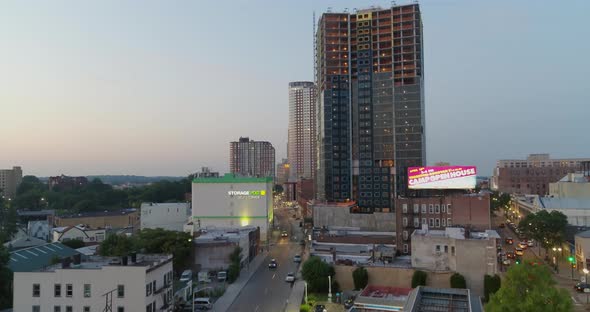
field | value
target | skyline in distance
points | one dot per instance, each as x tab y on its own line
151	89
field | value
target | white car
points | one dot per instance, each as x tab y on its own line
531	243
290	277
297	258
186	276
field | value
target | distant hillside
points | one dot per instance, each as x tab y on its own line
124	179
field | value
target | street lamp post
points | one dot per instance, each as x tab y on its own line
586	281
329	288
305	283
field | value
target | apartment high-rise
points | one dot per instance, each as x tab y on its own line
9	181
369	71
252	158
302	127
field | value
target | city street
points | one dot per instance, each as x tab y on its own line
563	277
267	289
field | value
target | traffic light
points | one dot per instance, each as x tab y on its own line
517	261
570	259
573	265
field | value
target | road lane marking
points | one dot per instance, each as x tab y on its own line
273	276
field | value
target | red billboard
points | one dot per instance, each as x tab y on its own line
450	177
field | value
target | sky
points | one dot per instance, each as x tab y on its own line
161	88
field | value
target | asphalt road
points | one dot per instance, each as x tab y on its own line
267	291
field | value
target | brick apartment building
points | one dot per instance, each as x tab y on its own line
533	174
465	210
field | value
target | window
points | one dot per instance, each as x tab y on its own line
416	222
446	249
120	291
431	222
449	209
57	290
423	220
423	208
87	291
56	308
36	290
36	308
405	221
416	208
120	309
154	306
86	309
154	289
437	248
437	208
148	308
443	208
69	290
449	222
405	235
437	222
431	208
453	250
69	309
148	289
405	248
405	208
444	222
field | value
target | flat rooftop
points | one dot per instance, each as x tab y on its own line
233	178
98	262
382	295
457	233
429	299
105	213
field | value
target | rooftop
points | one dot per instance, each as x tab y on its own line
428	299
36	258
105	213
223	235
27	213
233	178
456	233
98	262
563	203
384	296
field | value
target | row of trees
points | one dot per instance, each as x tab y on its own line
547	228
151	241
35	195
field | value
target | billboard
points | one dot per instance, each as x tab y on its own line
449	177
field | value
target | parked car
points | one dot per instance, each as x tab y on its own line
581	286
203	303
519	252
186	276
320	308
348	303
510	255
284	234
509	241
203	277
290	277
499	247
530	242
221	276
297	258
272	264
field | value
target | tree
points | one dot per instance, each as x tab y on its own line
74	243
179	244
234	269
315	272
8	219
491	284
117	245
458	281
419	278
85	205
529	288
360	277
5	279
499	200
278	189
547	228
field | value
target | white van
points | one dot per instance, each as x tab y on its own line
186	276
203	303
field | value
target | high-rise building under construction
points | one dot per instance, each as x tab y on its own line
370	104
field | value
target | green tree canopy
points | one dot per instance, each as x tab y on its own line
179	244
529	288
117	245
419	278
360	277
315	272
499	200
5	279
458	281
548	228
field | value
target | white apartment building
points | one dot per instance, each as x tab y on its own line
168	216
80	232
302	133
99	283
472	254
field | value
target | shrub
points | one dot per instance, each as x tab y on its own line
304	308
360	277
233	272
419	278
458	281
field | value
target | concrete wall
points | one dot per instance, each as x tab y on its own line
569	189
388	276
212	256
116	222
341	216
168	216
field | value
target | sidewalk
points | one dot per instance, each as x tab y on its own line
234	289
298	290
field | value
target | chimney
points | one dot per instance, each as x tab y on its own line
124	260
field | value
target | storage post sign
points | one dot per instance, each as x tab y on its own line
247	194
451	177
